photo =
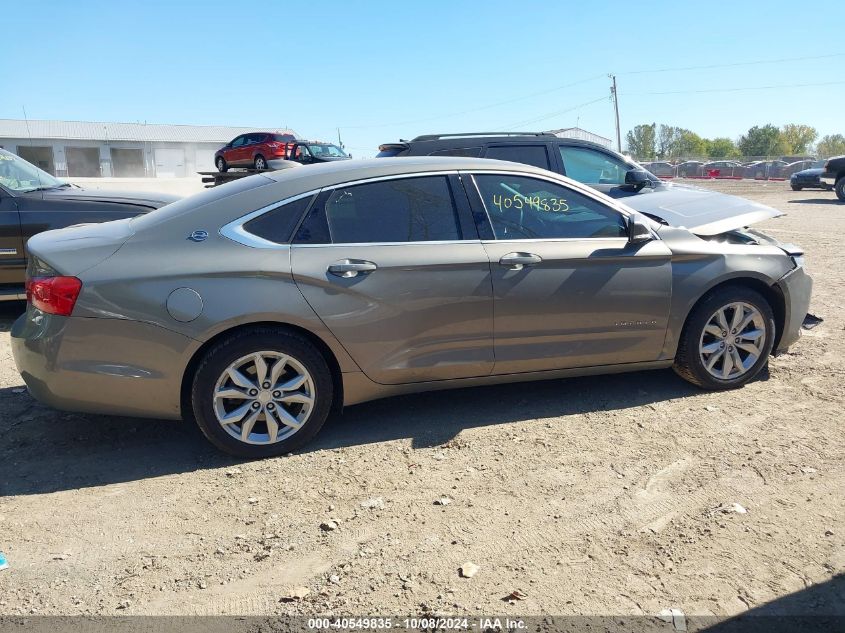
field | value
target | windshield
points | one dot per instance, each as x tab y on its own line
327	151
819	164
18	175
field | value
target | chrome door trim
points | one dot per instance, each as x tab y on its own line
8	251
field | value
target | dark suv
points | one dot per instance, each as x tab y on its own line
590	163
603	169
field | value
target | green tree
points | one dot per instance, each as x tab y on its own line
831	145
690	145
722	147
762	141
667	141
641	141
798	138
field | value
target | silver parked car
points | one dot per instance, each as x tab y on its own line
259	307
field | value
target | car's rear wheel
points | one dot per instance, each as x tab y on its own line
220	162
839	188
727	339
259	162
261	392
796	187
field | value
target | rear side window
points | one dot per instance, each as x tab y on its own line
470	152
402	210
277	224
592	167
536	155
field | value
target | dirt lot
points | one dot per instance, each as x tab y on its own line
608	495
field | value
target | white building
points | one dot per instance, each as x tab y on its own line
584	135
90	148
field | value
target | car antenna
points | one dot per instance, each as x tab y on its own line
29	134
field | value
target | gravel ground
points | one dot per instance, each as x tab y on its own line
604	495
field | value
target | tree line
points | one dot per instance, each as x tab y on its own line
666	142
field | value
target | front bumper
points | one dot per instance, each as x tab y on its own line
105	366
797	288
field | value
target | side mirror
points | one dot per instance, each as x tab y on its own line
636	179
639	231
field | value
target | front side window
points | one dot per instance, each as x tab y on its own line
592	167
520	207
238	141
527	154
402	210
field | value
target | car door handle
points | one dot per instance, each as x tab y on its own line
347	268
516	261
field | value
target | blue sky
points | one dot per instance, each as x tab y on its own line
384	70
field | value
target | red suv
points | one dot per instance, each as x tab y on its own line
253	150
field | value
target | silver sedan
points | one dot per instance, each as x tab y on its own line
260	307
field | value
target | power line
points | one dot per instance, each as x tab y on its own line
773	87
549	115
731	65
484	107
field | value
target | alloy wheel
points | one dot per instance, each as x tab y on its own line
260	164
732	340
264	397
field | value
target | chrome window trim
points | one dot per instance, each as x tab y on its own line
362	181
236	232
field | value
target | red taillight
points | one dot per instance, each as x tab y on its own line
53	295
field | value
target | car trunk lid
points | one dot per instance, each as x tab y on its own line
75	249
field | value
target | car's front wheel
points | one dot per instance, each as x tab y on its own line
796	187
839	188
261	392
727	339
259	162
220	162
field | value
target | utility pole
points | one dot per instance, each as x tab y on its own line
615	98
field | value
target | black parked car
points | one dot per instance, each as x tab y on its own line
834	175
31	201
809	178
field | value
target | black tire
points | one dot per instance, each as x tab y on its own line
222	354
221	165
259	162
839	188
796	187
688	363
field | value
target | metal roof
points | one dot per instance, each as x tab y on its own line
105	131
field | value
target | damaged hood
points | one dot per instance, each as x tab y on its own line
701	211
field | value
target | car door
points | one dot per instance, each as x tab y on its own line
601	171
235	154
12	258
569	289
395	269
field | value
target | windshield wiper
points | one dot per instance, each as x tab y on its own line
51	187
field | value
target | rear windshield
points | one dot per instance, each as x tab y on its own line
283	138
208	196
390	152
